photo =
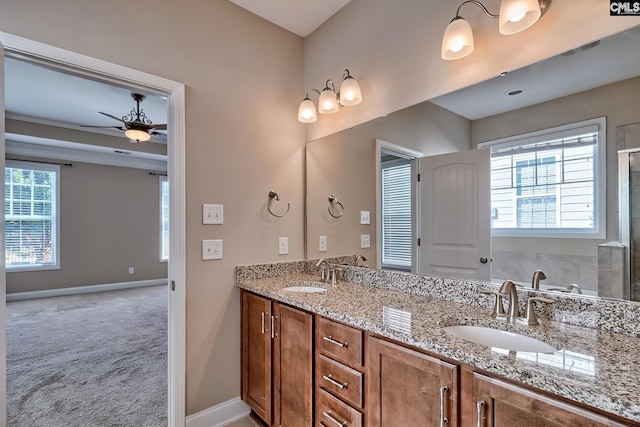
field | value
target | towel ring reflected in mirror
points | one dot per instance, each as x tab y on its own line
274	196
334	203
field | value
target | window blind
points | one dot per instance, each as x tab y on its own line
164	219
396	214
30	207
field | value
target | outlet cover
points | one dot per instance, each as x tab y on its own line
283	246
322	243
365	241
211	249
212	214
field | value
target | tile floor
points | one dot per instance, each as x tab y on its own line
245	422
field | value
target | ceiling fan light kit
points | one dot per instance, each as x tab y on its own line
515	16
137	127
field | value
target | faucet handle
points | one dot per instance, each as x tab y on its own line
530	316
334	274
498	307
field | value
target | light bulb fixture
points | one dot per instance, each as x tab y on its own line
329	101
137	135
514	16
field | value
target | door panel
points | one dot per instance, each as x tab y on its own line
3	278
256	354
455	215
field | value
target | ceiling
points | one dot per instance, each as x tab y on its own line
41	94
300	17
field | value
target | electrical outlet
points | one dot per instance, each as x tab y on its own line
365	241
283	246
212	214
322	243
211	249
365	217
131	270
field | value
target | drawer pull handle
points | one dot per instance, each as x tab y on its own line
332	341
479	405
443	419
334	382
334	420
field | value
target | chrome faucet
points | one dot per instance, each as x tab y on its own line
325	271
358	259
509	288
535	280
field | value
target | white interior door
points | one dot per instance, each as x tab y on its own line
3	277
455	204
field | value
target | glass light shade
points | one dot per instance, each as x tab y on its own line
518	15
137	135
307	112
328	102
457	41
350	93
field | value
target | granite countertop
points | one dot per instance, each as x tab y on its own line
595	367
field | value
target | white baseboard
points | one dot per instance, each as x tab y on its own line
19	296
220	415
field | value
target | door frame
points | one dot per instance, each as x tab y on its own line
408	153
175	91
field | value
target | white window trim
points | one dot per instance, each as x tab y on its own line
161	179
50	168
599	177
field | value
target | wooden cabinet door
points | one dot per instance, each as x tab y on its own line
501	404
293	367
256	354
408	388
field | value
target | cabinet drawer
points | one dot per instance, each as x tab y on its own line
342	381
340	342
332	412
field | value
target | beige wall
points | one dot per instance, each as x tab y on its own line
393	49
344	164
109	221
243	80
617	102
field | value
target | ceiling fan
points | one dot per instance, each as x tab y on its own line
136	125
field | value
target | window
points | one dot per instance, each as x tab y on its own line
549	183
31	216
396	213
164	219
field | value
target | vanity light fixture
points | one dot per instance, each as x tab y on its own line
514	16
329	101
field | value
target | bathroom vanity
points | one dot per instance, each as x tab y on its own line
373	350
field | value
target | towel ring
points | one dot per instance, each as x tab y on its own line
274	196
333	200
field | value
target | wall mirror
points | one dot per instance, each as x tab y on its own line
598	80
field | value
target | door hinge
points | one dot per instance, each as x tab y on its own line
418	177
173	285
418	241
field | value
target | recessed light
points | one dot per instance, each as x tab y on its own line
504	73
514	92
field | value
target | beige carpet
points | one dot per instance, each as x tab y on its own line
92	360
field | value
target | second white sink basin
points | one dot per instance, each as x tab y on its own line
306	289
500	339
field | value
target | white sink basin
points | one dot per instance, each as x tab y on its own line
307	289
500	339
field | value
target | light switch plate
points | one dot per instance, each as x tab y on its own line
212	214
365	217
322	243
283	245
211	249
365	241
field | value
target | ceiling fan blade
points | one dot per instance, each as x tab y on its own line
159	126
104	127
112	116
